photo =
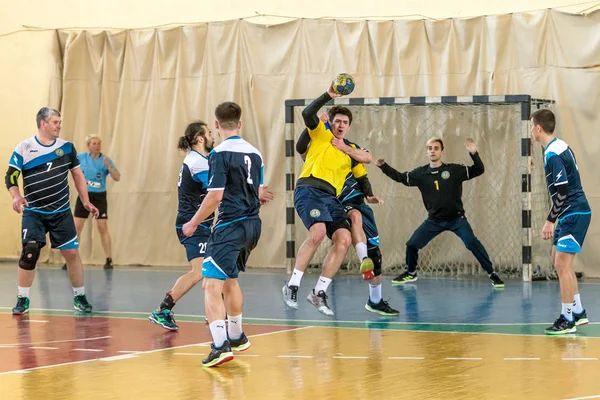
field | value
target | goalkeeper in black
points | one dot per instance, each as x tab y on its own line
441	188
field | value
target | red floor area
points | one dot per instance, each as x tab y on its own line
27	342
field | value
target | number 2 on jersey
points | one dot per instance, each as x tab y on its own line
437	185
248	162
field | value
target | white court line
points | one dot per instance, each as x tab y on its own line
90	350
35	320
7	346
585	398
580	359
43	348
406	358
292	356
464	358
57	341
521	359
351	357
128	351
121	357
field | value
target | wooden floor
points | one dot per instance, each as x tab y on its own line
298	363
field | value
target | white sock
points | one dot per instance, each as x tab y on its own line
577	307
322	284
295	278
234	328
567	311
361	251
375	293
78	290
23	291
218	332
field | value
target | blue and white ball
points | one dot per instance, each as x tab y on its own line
343	84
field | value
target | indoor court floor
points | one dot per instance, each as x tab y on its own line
454	339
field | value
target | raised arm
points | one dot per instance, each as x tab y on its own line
477	168
402	177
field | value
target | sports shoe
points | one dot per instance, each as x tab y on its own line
164	318
64	267
81	304
319	300
108	264
290	296
496	281
404	277
382	308
581	318
366	269
218	355
561	327
22	306
241	344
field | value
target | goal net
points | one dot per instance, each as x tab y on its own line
506	206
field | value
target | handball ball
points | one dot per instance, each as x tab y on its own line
343	84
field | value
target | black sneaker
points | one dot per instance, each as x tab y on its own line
64	267
382	308
219	355
108	264
581	319
81	304
22	306
241	344
290	296
561	326
405	277
496	281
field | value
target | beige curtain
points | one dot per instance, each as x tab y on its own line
139	89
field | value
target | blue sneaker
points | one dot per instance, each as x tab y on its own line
164	318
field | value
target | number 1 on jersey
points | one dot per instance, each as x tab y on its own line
437	185
248	162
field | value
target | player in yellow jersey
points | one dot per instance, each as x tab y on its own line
328	161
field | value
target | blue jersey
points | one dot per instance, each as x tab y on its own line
95	171
237	168
192	188
561	169
45	170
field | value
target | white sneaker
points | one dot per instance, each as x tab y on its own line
290	296
319	300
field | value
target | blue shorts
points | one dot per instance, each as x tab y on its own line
195	245
63	235
314	205
570	232
368	219
229	247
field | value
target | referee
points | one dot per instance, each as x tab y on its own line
441	188
96	167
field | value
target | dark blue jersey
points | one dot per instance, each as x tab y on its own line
192	187
237	168
45	170
561	169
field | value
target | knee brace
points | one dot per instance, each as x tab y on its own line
30	255
375	254
341	224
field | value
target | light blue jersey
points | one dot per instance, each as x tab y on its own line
95	171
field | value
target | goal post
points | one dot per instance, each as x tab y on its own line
504	206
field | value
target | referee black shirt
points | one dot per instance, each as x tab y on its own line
441	188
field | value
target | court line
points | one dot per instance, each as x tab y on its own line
351	357
585	398
293	356
35	320
90	350
43	348
464	358
57	341
580	359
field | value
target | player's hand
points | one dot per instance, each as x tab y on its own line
380	162
189	228
18	203
107	162
470	145
324	117
332	93
340	145
548	230
374	200
91	208
265	195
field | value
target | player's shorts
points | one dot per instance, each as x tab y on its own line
229	247
314	205
368	219
63	235
195	245
98	199
570	232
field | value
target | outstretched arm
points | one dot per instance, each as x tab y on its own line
402	177
311	120
477	168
